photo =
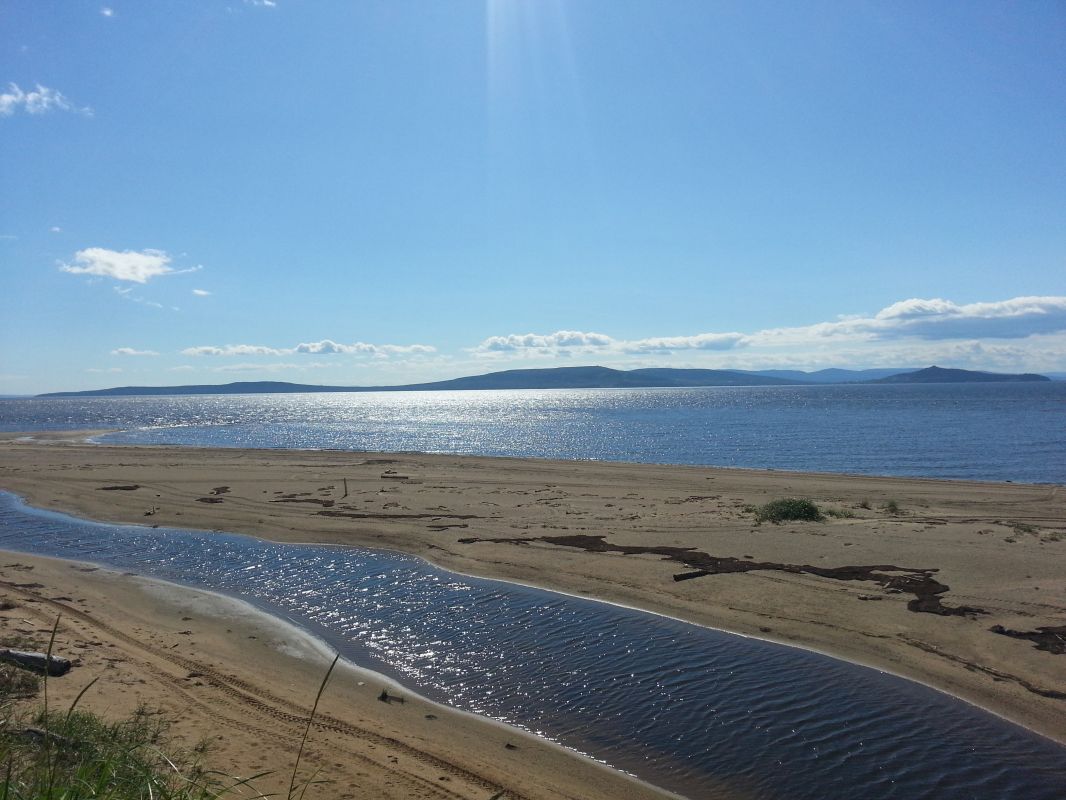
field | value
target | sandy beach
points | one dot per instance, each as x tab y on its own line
959	585
241	684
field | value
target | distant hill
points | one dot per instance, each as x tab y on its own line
832	375
711	377
580	378
943	375
554	378
240	387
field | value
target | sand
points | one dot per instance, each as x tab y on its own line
243	684
921	591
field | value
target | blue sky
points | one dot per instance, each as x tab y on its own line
383	192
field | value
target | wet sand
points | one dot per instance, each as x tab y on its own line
243	683
959	585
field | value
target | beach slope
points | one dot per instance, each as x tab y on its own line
960	585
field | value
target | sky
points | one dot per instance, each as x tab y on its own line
368	192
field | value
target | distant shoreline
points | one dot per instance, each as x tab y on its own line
586	378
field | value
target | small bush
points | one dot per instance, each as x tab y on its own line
864	504
788	509
892	507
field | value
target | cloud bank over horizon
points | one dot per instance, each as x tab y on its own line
907	328
323	347
1021	334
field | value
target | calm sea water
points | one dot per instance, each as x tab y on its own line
972	431
678	705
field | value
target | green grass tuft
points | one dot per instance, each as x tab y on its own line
71	755
788	509
48	754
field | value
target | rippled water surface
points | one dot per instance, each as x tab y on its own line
977	431
676	704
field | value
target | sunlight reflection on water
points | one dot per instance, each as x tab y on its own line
676	704
976	431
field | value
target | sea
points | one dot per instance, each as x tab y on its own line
973	431
773	721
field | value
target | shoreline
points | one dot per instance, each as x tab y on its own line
324	645
92	438
289	641
950	533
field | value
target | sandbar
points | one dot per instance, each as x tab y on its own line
959	585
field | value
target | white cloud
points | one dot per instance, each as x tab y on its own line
565	343
39	100
412	349
328	347
233	350
129	351
261	3
701	341
201	292
935	319
107	12
322	348
181	368
55	229
1017	318
127	265
551	341
909	332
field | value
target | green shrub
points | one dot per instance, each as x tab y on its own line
892	507
787	509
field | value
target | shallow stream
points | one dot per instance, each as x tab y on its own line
675	704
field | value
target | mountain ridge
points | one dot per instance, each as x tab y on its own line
936	374
586	377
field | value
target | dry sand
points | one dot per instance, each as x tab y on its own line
915	592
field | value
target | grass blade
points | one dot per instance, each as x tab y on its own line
77	699
310	719
47	668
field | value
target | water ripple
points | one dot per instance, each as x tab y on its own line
678	705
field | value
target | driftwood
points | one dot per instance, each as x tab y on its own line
38	662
